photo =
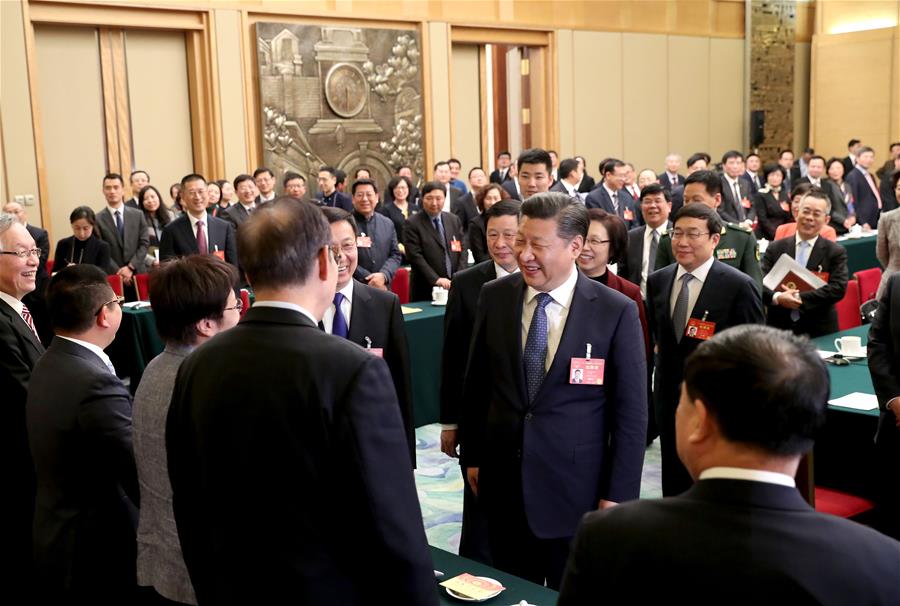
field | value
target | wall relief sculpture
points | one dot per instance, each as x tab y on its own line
340	96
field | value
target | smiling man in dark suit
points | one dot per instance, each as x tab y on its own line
368	316
328	194
502	225
196	231
501	173
20	349
433	244
539	450
643	242
246	192
611	195
812	312
698	292
376	238
752	400
124	229
866	197
316	430
36	300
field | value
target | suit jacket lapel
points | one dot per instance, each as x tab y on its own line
22	328
357	321
516	326
434	231
668	327
107	223
707	291
816	255
188	233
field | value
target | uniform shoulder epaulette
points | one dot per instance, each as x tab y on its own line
738	227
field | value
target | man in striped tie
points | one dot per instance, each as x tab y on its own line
19	352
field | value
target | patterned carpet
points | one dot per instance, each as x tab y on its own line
440	487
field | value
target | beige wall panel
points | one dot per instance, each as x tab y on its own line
801	95
688	111
727	119
160	107
598	97
231	92
4	192
69	91
439	62
645	117
466	108
841	16
852	73
15	110
568	88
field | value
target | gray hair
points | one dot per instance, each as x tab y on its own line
7	220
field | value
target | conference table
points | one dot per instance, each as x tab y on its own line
844	454
137	342
516	589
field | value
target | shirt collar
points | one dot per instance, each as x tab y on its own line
113	211
612	194
562	294
347	291
861	169
700	273
750	475
502	273
248	207
731	180
798	239
13	302
286	305
194	220
90	347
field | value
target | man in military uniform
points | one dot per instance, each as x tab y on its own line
737	244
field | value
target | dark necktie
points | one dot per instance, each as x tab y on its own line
439	225
679	315
535	356
120	226
738	207
651	258
339	323
202	246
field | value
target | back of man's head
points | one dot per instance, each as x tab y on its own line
75	297
278	244
766	389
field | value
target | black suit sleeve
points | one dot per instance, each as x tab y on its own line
398	362
415	253
140	254
582	581
476	391
748	308
230	245
768	261
14	368
834	291
167	243
392	263
453	356
884	360
103	256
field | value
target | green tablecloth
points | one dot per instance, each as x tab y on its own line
860	253
848	379
136	343
425	332
516	589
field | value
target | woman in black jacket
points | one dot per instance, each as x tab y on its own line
773	207
84	246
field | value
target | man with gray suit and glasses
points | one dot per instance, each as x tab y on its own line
751	403
124	229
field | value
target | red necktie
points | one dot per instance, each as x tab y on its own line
634	192
202	246
26	315
874	189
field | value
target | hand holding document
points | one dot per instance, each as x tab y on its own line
788	275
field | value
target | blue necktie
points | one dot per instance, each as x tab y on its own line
339	323
120	225
439	225
535	356
802	259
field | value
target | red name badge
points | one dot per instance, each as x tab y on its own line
220	254
629	215
586	371
363	241
378	352
823	275
455	245
700	329
746	203
786	207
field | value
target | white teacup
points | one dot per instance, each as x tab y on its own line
439	295
849	346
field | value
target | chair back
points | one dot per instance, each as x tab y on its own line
848	307
245	301
143	286
400	284
115	282
868	279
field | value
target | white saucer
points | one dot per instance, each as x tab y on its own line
436	304
458	596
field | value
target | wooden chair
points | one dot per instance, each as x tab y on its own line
115	282
848	307
400	284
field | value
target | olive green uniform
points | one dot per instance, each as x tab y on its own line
737	247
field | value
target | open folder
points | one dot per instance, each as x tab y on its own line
788	274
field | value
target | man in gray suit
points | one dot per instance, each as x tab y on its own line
124	229
187	314
376	238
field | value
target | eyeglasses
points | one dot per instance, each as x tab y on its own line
118	300
678	234
809	212
335	253
238	306
596	241
23	254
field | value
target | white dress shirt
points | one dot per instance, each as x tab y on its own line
502	273
797	240
694	286
645	255
346	308
286	305
113	211
447	198
270	197
557	312
94	350
194	221
750	475
613	197
17	305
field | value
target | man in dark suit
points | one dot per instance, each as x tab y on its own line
611	196
35	300
370	317
20	349
79	429
736	206
246	192
812	312
501	173
138	180
328	195
752	400
539	450
124	229
379	253
670	178
696	292
753	167
816	176
196	231
453	197
639	260
852	150
433	244
884	366
264	179
697	162
502	224
511	185
786	161
323	440
568	179
866	197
